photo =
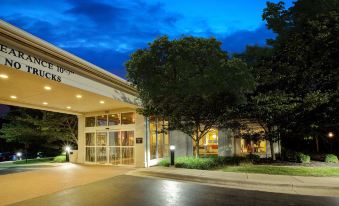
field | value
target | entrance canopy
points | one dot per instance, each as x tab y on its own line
36	74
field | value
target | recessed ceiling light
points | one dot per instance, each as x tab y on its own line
102	102
44	103
13	97
47	88
78	96
69	107
3	76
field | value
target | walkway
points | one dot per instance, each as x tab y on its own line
320	186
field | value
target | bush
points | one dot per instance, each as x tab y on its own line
196	163
331	158
303	158
60	159
164	163
254	158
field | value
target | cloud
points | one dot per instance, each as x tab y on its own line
106	32
237	41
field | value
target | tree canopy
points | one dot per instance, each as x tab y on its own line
191	81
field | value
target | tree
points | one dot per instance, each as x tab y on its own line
39	128
190	81
297	75
305	56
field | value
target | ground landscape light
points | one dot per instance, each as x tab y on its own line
19	154
3	76
172	147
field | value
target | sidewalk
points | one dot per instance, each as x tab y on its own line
319	186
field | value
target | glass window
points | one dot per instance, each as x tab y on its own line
114	139
113	119
101	138
127	155
102	120
90	122
101	154
90	139
127	138
115	155
90	154
127	118
153	137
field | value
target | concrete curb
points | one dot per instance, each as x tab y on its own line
292	188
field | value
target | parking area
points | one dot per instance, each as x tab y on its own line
39	181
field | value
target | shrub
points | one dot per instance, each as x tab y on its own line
164	163
196	163
331	158
254	158
60	159
303	158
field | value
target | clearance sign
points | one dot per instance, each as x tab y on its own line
31	64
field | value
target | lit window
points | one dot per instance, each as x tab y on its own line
102	120
127	118
113	119
90	121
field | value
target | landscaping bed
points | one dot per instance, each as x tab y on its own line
253	164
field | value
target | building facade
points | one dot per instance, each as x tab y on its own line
38	75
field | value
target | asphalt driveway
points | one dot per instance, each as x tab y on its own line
132	190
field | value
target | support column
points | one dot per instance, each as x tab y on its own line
81	139
140	132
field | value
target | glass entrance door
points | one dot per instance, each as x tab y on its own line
113	147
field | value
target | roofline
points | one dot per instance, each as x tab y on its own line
83	67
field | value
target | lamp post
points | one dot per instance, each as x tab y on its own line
68	149
172	148
330	136
19	154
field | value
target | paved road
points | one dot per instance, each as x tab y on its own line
131	190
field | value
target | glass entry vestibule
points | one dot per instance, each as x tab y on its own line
110	139
110	147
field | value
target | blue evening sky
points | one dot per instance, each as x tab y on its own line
106	32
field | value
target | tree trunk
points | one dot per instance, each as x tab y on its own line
317	144
197	148
272	150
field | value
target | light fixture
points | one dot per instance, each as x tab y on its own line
330	134
3	76
13	97
68	149
172	147
18	154
102	102
44	103
79	96
68	107
47	88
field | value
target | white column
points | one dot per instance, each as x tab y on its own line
81	139
140	132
